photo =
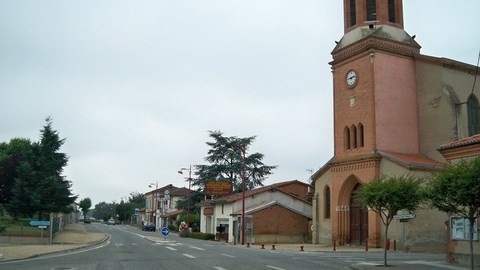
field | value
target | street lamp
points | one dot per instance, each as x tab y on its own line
189	182
154	201
230	150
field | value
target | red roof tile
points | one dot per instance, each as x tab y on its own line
412	160
475	139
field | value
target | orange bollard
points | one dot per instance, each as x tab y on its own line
273	247
263	246
301	248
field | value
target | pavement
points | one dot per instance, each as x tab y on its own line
74	236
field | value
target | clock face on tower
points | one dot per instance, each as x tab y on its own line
351	78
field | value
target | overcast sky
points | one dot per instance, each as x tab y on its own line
135	86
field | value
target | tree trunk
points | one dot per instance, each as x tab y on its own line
385	246
472	258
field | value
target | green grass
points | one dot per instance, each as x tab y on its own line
20	228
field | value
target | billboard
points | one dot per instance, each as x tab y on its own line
218	188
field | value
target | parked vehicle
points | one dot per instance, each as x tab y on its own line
148	226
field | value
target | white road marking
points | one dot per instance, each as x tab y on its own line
171	248
189	256
231	256
197	248
219	268
274	267
118	245
134	244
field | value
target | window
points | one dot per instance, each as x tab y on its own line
391	11
460	229
327	203
361	140
353	13
346	137
371	10
473	116
353	129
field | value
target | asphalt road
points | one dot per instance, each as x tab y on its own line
128	248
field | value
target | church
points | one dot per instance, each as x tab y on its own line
393	109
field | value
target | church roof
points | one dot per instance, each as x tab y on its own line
380	31
412	161
475	139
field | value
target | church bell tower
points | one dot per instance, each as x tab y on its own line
374	81
375	109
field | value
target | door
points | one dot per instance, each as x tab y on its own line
358	220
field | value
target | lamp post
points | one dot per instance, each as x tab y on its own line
154	202
243	150
189	183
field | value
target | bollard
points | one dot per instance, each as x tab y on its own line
388	244
394	245
366	245
334	245
263	246
301	248
273	247
248	245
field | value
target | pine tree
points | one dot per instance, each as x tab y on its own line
226	157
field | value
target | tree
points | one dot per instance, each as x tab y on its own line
227	165
456	191
54	187
85	205
18	151
388	195
31	176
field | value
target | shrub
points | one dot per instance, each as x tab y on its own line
202	236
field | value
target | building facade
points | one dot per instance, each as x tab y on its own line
161	205
393	107
458	249
278	213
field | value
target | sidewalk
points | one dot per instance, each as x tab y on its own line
72	237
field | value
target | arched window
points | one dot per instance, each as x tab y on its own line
371	10
361	140
327	202
391	11
473	116
353	129
353	13
346	138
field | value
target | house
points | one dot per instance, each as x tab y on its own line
393	107
161	205
458	248
278	213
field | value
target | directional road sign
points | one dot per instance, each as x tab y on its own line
39	223
165	231
404	216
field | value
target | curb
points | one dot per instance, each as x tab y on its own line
85	245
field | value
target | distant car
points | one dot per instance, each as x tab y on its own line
111	221
148	227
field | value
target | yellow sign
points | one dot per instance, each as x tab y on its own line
218	188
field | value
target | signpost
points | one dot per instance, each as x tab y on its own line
165	232
41	225
403	219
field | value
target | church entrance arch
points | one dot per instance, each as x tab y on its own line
358	219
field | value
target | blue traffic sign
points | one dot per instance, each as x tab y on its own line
39	223
165	231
